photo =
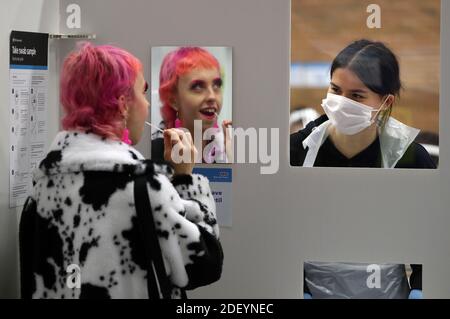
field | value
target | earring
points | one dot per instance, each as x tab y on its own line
126	132
126	136
177	121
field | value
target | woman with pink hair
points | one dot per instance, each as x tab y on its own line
190	89
102	218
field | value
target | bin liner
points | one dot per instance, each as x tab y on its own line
339	280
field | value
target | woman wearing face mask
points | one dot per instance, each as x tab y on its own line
190	89
357	129
86	215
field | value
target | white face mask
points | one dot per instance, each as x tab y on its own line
348	116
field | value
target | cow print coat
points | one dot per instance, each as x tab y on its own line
82	213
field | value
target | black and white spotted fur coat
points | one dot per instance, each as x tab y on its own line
82	212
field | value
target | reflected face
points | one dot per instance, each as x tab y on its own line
346	83
138	109
199	97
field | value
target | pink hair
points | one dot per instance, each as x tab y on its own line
174	65
92	80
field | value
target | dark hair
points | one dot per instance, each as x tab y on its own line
374	64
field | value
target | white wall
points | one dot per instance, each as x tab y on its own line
24	15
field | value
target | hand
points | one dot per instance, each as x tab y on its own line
228	143
185	146
415	294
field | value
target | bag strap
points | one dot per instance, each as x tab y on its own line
158	285
27	238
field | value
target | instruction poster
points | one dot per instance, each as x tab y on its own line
28	89
220	180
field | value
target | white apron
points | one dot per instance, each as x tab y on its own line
395	139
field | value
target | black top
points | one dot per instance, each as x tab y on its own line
329	156
157	150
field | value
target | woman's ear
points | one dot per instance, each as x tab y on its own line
390	100
123	105
174	103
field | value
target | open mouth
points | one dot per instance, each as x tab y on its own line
209	113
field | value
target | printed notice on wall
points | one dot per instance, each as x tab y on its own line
220	180
28	89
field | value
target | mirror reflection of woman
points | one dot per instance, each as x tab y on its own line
357	129
191	88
